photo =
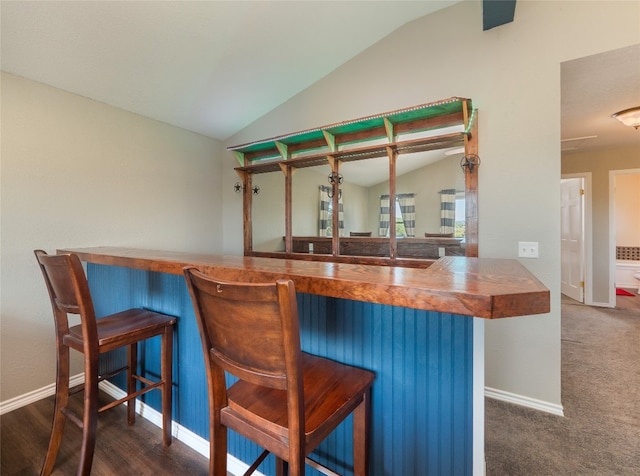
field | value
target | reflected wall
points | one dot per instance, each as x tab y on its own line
360	198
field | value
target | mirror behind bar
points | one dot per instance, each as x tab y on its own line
340	161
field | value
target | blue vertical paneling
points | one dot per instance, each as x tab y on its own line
114	289
421	399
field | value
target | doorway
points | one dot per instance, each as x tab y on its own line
575	219
624	234
592	141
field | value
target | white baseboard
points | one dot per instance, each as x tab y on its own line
189	438
602	304
521	400
627	284
35	395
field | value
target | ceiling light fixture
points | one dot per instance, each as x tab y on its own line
629	117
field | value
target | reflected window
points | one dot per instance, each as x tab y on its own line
460	216
447	210
325	225
401	230
405	206
383	229
406	210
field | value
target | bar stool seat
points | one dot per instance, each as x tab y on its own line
285	400
69	294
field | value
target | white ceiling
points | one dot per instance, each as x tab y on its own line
211	67
592	89
214	67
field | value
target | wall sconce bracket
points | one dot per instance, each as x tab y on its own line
335	177
238	187
470	161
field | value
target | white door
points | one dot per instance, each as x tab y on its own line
572	242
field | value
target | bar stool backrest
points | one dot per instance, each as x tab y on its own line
249	330
69	294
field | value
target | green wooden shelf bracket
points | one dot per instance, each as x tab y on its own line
331	140
239	157
283	149
388	125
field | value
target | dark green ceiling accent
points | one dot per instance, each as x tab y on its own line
497	12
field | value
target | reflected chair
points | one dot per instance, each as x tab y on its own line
285	400
69	294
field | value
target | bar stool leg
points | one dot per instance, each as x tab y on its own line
280	467
360	440
217	450
296	468
90	416
61	402
167	384
217	431
132	364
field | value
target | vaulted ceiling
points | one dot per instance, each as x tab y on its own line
214	67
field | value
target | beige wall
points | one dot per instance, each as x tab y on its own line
268	206
627	208
426	182
599	164
513	75
76	172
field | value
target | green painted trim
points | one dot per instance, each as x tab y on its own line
239	157
283	149
471	119
331	140
388	125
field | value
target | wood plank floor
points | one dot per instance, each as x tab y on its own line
120	449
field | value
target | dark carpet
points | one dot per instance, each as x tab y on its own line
600	432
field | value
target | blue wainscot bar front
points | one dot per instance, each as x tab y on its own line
428	396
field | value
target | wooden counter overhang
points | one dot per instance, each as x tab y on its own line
479	287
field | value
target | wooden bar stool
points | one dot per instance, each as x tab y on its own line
285	400
69	294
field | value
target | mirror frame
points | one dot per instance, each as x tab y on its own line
360	139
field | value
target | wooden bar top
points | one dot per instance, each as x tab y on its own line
479	287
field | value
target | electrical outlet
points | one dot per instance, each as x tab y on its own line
527	249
